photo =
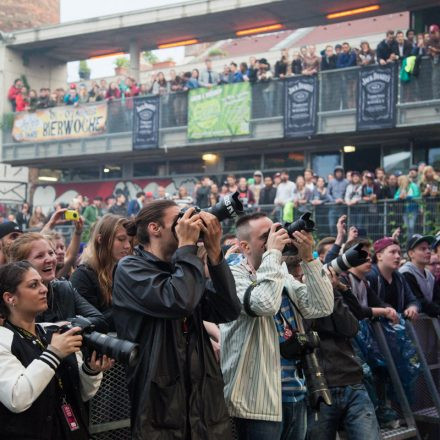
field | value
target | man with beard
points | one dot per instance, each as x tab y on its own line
160	299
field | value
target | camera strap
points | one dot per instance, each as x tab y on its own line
247	300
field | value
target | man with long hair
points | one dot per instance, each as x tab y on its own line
160	299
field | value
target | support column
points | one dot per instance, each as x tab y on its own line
134	60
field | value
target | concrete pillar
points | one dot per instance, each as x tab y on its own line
134	60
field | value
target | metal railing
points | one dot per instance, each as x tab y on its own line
375	220
338	93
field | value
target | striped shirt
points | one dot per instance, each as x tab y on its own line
250	353
292	386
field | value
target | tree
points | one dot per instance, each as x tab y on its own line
150	57
84	70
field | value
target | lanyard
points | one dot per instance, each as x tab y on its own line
37	341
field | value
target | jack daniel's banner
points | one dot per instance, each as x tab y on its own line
300	106
377	93
146	122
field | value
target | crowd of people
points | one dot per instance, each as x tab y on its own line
394	48
224	304
277	195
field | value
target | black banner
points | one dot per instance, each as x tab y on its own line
300	106
145	122
377	94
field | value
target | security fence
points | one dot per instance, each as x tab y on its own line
373	220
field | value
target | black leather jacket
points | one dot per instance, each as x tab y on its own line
176	389
65	302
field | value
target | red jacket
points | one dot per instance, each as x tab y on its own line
21	103
13	92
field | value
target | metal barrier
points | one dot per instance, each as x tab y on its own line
376	220
410	431
109	410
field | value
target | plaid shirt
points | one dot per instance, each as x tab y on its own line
292	386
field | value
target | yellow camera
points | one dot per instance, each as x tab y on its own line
70	214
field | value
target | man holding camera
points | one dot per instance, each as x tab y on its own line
160	299
259	385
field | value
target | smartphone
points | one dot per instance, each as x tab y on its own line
70	214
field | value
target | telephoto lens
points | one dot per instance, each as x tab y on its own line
122	351
352	257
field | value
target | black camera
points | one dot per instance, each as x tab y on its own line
122	351
352	257
229	207
304	223
302	347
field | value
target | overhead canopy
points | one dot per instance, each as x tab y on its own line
200	19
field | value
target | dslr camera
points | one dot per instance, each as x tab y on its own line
230	207
302	347
352	257
304	223
122	351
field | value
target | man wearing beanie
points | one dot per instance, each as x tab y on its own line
386	280
418	277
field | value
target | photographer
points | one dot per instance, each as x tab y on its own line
351	406
160	299
250	354
43	379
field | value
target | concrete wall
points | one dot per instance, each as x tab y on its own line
26	14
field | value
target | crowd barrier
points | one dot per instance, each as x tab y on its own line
375	220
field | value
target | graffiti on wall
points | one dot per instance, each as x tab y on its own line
47	196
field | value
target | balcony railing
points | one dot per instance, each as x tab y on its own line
337	99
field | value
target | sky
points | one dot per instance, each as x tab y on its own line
71	10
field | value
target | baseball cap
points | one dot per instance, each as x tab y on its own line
258	173
8	227
433	28
383	243
338	168
414	167
369	175
277	175
416	239
148	194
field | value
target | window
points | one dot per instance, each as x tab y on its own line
434	157
112	172
148	169
236	163
394	159
279	161
187	166
76	174
324	164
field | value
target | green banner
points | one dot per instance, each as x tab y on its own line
220	111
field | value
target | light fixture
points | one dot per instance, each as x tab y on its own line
48	178
259	30
209	157
178	43
350	12
106	170
349	148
